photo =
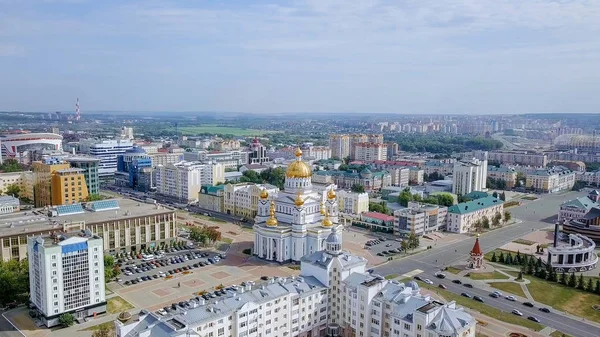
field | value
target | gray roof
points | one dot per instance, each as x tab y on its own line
450	320
322	259
580	203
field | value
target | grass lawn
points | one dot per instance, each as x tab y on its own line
511	203
509	287
488	276
529	197
453	270
524	242
488	255
391	276
484	308
226	240
110	325
559	334
224	130
117	305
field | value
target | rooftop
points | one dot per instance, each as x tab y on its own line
24	222
475	205
378	216
580	203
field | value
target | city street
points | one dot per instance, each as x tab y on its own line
7	329
534	215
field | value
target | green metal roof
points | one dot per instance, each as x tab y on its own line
476	195
474	205
211	189
583	202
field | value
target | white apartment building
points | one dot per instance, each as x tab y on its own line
66	273
469	176
127	133
420	219
183	180
415	175
165	158
242	199
229	159
551	180
23	179
590	178
400	176
317	152
352	203
370	151
462	217
107	151
334	296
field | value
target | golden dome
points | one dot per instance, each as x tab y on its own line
272	221
331	194
327	222
298	169
299	201
264	194
322	209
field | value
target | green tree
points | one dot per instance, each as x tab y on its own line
103	331
10	165
563	278
501	257
413	240
581	282
13	190
250	176
274	176
552	275
14	280
66	319
478	225
485	222
404	198
94	197
404	245
509	258
343	167
572	281
590	285
445	199
417	197
495	194
597	287
503	196
542	273
507	216
358	188
494	258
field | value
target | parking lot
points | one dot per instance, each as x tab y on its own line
136	271
383	247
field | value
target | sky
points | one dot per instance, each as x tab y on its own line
267	56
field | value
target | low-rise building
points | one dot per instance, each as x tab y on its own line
211	197
506	174
589	178
9	204
23	179
352	203
415	175
346	179
420	218
462	217
575	209
242	199
66	275
552	180
519	158
375	221
123	225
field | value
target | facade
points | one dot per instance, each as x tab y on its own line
229	159
9	204
415	175
130	168
211	198
420	219
258	153
66	273
575	254
589	178
89	165
22	146
375	221
436	166
123	225
462	217
400	176
346	179
576	209
296	222
370	151
23	179
227	145
333	297
56	183
107	151
127	133
182	181
469	176
343	146
552	180
506	174
352	203
242	199
166	158
526	158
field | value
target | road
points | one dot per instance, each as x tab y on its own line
6	329
533	215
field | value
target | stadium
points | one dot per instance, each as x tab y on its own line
24	146
580	142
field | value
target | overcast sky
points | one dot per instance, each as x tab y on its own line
413	56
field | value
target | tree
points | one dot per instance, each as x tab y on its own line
358	188
572	281
542	273
404	198
94	197
103	331
445	199
404	245
343	167
501	257
413	240
485	222
495	194
581	282
250	176
503	196
590	285
13	190
14	281
563	278
494	259
597	287
478	225
11	165
417	197
66	319
509	258
507	216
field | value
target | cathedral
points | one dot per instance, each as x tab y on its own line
298	221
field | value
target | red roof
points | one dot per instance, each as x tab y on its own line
378	216
476	249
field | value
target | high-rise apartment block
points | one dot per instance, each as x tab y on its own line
182	181
469	176
66	273
519	158
343	146
352	202
89	165
107	151
370	151
55	183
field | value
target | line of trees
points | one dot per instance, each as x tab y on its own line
443	144
14	281
441	199
11	165
535	267
205	234
379	207
273	176
411	242
433	176
495	221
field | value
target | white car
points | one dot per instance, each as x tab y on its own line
161	312
428	281
498	293
161	274
511	298
127	273
517	312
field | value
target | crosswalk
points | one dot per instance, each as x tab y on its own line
412	273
